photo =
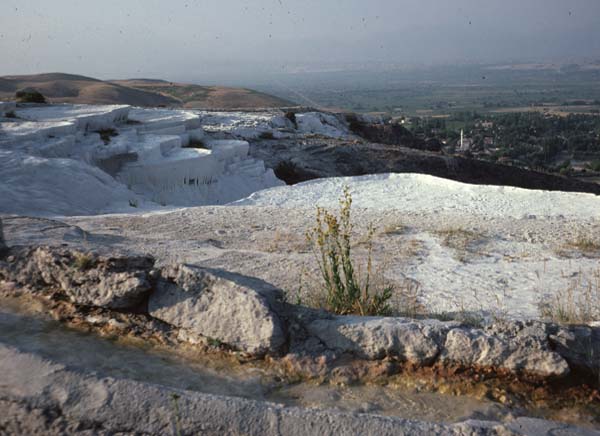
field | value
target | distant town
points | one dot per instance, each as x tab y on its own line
568	145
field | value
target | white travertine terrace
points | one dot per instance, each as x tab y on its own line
55	162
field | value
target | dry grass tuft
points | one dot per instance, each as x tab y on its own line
83	261
407	299
582	245
286	242
411	248
578	303
394	229
461	240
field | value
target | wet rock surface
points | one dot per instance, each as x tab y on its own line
40	396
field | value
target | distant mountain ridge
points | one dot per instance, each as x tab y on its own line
71	88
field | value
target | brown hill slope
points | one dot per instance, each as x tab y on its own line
210	97
69	88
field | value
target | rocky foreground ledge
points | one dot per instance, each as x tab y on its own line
183	303
39	396
251	316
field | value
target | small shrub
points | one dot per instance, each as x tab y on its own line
133	203
266	135
354	124
30	96
106	134
292	117
460	240
594	165
83	261
286	169
213	342
578	303
345	291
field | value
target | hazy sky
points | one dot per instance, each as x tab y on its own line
179	39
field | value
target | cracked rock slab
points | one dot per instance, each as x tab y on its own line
232	309
426	342
472	347
376	338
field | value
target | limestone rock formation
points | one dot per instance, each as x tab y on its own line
218	305
580	345
376	338
425	342
248	315
86	279
471	347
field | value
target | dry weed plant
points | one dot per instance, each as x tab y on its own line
394	229
344	289
83	261
460	313
582	245
411	248
577	303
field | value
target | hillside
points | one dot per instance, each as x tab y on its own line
209	97
69	88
